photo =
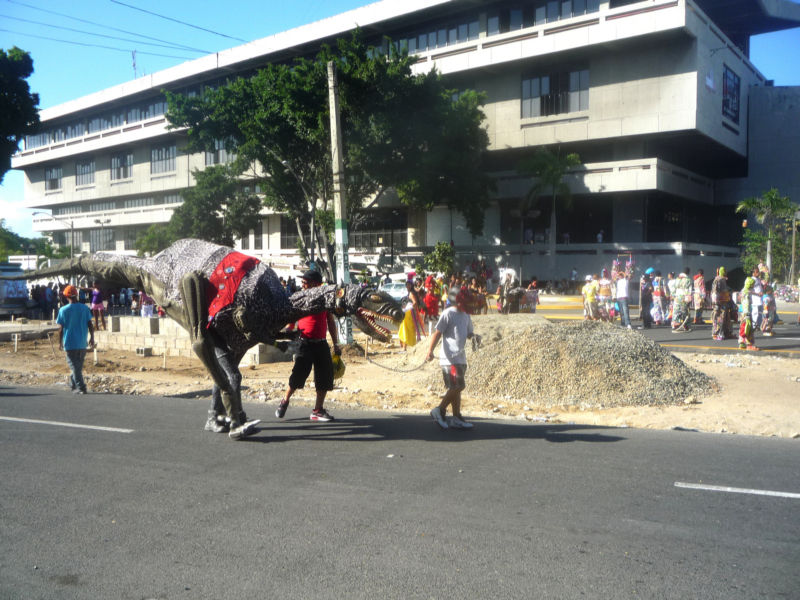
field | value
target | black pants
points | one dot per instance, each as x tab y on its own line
317	354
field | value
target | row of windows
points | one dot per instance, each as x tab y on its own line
114	118
731	84
519	16
107	205
162	160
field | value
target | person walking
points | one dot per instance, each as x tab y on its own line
74	323
453	328
313	352
746	340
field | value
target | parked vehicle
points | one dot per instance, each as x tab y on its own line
13	294
396	290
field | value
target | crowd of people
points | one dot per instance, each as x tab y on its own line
679	300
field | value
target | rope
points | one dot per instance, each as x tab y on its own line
392	368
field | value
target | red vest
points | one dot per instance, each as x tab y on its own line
225	281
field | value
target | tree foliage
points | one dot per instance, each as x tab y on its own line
399	132
549	169
441	259
774	212
18	106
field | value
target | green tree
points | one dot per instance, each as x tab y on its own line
399	131
154	239
549	169
18	106
441	259
215	209
774	212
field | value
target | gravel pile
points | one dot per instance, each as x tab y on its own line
588	364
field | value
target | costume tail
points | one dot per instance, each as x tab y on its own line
100	267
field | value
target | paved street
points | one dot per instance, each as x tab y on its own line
109	496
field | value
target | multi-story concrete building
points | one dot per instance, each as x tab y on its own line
672	122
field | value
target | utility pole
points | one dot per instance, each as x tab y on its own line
795	216
339	211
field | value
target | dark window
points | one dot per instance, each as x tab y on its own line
730	95
52	179
162	159
556	93
84	172
258	236
122	166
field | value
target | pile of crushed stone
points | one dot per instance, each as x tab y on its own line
588	364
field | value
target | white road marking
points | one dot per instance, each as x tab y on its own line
62	424
735	490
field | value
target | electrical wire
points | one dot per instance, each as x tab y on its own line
42	37
141	35
177	21
111	37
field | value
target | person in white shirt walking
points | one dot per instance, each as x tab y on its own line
453	328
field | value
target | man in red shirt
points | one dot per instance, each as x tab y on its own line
313	351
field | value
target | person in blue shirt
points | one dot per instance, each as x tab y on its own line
75	323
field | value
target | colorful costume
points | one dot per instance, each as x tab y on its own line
721	310
680	303
746	316
605	302
699	297
769	311
589	292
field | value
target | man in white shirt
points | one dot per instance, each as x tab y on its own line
622	279
453	328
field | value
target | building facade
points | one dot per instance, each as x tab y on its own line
658	98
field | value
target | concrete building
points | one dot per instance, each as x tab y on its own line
673	123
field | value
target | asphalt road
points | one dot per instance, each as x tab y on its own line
378	505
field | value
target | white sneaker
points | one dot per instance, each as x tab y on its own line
437	416
457	423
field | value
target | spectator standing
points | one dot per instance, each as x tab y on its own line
680	302
699	285
96	304
660	308
769	311
453	328
646	298
313	351
756	294
621	291
604	304
589	293
74	323
746	340
533	288
410	330
721	310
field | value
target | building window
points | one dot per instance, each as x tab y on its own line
134	202
122	166
84	172
102	205
289	237
52	179
246	241
258	236
730	94
101	239
219	155
172	199
555	94
162	159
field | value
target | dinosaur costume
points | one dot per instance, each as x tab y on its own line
228	302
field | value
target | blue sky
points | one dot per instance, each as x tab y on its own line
64	71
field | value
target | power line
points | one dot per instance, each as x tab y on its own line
141	35
177	21
127	50
111	37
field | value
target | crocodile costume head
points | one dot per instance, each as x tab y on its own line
367	306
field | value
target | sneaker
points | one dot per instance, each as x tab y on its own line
753	348
238	432
321	415
436	413
216	423
457	423
79	392
281	410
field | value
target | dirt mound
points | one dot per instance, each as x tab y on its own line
527	360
